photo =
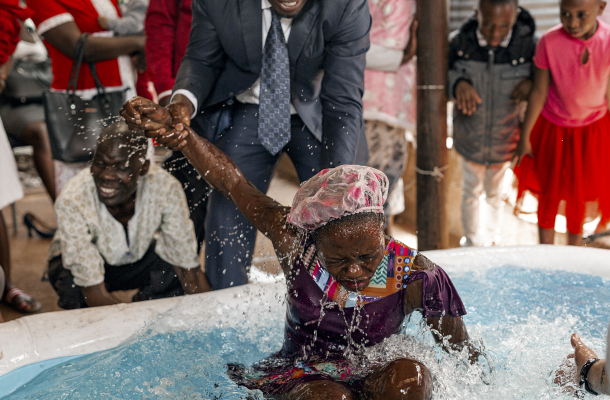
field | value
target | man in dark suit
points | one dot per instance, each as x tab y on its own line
303	61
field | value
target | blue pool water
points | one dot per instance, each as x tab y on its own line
523	317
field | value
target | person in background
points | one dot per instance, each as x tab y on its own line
61	23
167	26
281	77
108	218
131	22
10	188
389	88
565	143
24	119
490	72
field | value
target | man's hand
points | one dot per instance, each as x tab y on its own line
143	114
522	91
175	138
411	48
167	125
524	148
466	97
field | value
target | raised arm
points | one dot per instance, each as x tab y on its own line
218	170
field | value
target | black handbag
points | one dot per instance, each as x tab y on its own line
74	124
27	81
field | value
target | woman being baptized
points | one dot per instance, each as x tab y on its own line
349	285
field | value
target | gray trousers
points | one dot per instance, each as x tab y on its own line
476	179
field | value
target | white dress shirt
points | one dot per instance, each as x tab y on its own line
384	59
483	43
251	95
88	235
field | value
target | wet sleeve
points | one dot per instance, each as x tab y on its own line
541	59
440	298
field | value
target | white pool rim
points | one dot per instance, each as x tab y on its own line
36	338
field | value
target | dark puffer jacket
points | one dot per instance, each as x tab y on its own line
490	135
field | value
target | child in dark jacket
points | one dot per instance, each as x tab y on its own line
490	71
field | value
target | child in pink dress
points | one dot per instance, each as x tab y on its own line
565	142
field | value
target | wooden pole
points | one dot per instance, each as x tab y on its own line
432	51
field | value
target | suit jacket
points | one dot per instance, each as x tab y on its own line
327	49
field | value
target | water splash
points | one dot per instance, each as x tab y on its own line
523	316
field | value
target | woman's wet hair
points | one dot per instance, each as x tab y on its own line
352	219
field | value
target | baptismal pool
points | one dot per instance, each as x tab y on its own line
523	316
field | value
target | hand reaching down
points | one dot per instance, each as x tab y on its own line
522	91
466	97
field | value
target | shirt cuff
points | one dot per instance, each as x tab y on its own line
85	281
164	94
383	59
192	98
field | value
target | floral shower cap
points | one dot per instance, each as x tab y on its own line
337	192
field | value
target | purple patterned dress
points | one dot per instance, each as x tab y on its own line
324	321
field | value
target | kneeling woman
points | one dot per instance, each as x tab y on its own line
349	285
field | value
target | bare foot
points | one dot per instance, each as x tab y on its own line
21	301
581	352
568	374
